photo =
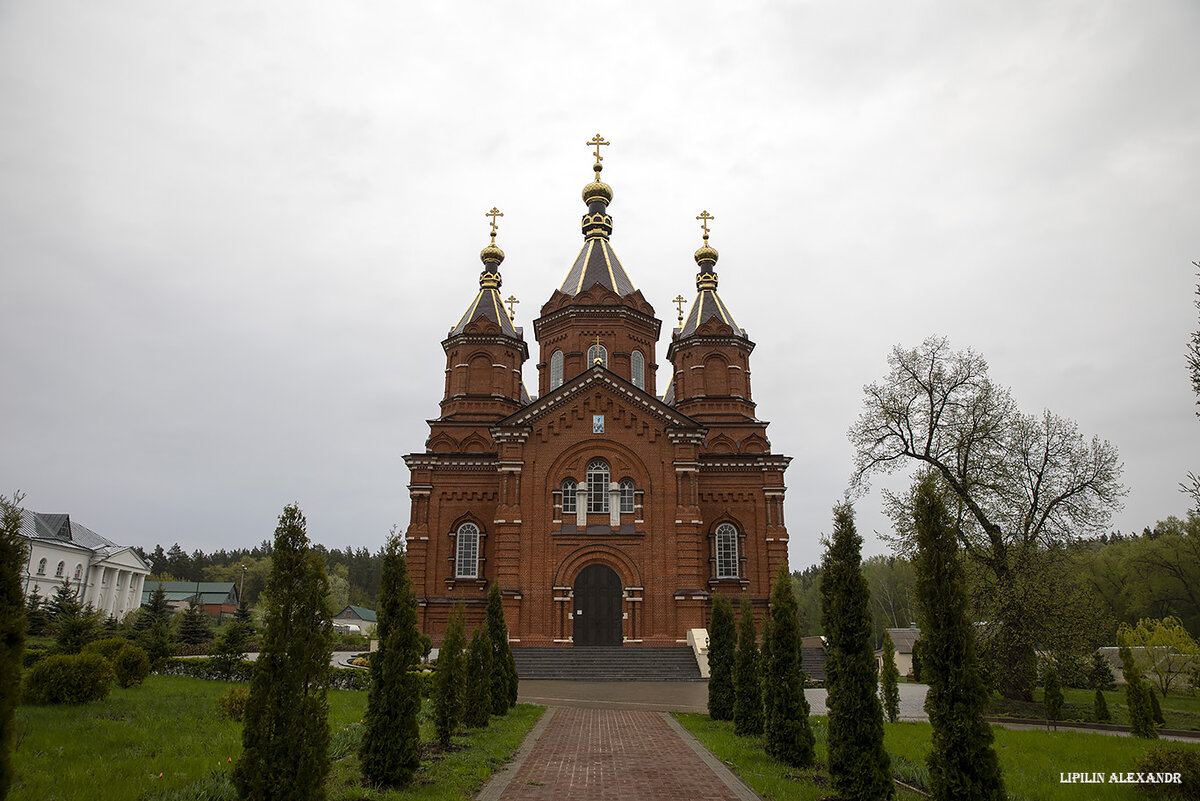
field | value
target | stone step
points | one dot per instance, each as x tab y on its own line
614	663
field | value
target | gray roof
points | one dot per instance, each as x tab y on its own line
904	639
597	264
61	530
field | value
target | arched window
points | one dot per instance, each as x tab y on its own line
42	566
597	352
467	563
61	567
627	496
78	572
597	486
569	506
638	369
727	556
556	370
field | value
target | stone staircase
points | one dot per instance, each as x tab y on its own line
607	663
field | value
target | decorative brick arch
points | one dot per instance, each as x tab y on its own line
593	553
612	452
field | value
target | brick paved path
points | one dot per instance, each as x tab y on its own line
594	754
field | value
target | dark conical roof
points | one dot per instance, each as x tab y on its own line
488	304
596	262
708	303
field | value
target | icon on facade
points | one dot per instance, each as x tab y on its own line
597	424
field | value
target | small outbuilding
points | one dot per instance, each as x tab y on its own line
364	619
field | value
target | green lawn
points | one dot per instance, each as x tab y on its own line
116	748
1179	711
1031	760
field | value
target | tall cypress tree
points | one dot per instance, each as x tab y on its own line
391	748
890	680
478	707
962	762
1137	697
1052	696
285	741
13	555
721	644
858	763
747	678
449	681
504	668
788	733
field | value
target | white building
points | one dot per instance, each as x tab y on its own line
107	576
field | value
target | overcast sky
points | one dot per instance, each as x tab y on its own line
233	234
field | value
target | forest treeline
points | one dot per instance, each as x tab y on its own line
1117	578
353	572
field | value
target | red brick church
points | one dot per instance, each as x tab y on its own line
607	511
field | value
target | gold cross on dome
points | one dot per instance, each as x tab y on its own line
512	301
704	218
679	301
494	213
597	140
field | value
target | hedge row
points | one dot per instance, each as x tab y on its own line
207	668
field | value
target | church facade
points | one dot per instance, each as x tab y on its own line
607	511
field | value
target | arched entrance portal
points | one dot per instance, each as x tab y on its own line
597	606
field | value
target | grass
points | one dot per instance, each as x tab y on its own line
1179	711
1031	761
116	748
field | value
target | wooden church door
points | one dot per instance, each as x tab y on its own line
597	606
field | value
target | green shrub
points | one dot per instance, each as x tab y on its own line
69	679
232	705
722	644
107	647
1184	760
33	653
1102	714
131	665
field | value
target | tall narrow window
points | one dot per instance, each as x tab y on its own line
638	368
597	352
61	567
467	564
78	572
727	557
42	566
556	370
626	496
597	486
568	496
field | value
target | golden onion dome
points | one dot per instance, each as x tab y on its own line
491	253
597	190
706	253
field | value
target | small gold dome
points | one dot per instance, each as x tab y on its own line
706	254
597	190
491	253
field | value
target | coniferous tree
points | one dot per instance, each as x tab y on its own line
449	680
1052	696
858	763
478	707
35	613
64	601
890	681
13	554
747	678
285	741
74	625
1137	697
391	746
230	648
244	616
1101	672
194	627
962	762
1102	714
721	645
504	668
1155	708
789	737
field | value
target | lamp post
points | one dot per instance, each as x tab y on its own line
242	586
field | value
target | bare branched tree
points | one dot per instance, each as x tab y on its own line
1192	485
1017	483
